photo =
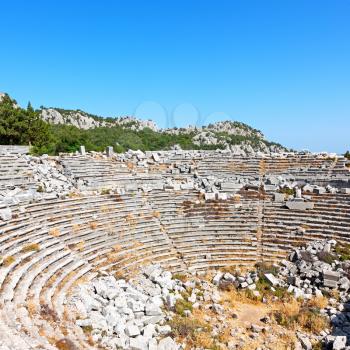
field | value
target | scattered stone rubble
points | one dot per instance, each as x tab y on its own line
46	181
134	314
311	271
129	315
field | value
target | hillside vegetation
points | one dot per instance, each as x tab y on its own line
53	131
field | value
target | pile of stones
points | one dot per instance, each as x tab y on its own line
315	270
48	183
51	182
129	315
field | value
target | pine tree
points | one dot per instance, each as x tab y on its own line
20	126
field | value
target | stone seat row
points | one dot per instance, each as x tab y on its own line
7	294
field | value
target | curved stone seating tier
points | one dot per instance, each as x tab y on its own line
55	244
302	168
94	172
15	171
213	233
103	173
284	228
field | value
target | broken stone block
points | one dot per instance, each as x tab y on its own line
330	278
109	151
278	197
339	343
6	214
138	343
299	205
167	344
217	278
271	279
132	330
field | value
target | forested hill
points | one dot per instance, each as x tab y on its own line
54	130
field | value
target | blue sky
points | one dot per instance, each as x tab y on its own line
281	66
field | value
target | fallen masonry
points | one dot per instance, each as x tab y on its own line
129	315
146	311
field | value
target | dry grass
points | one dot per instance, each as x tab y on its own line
225	335
334	293
80	246
55	232
312	322
65	344
93	225
156	214
130	165
236	198
204	340
318	302
117	248
33	247
120	274
76	228
181	277
193	329
47	313
74	195
32	307
233	296
249	345
295	315
8	260
290	309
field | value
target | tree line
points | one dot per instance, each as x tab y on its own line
19	126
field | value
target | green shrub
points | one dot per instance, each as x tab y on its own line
286	190
187	327
180	276
182	305
343	250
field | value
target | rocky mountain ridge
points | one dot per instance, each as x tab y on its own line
230	135
227	134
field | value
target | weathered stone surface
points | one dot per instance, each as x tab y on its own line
167	344
5	214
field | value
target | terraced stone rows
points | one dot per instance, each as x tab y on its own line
214	230
79	237
329	219
15	171
25	280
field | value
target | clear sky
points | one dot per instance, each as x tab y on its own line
281	66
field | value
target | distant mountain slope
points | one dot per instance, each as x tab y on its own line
55	130
237	136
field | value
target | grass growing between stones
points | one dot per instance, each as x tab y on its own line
8	260
298	315
343	250
33	247
93	225
180	276
55	232
233	295
193	330
181	306
65	344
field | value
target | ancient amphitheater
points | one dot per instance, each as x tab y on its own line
66	219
